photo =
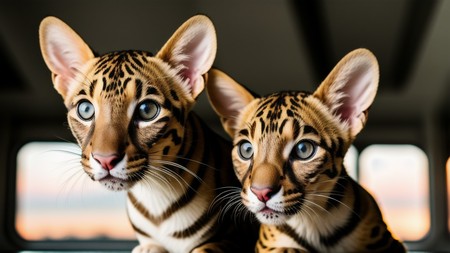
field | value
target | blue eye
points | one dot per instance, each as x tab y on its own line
148	110
304	150
245	150
85	110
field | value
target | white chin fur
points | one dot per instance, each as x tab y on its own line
271	219
115	184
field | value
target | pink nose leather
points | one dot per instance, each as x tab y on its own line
107	161
263	194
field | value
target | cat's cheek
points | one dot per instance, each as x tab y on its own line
119	170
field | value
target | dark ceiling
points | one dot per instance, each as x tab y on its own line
266	45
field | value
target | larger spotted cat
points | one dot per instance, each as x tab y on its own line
288	154
131	114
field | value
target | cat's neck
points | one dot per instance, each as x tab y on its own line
318	220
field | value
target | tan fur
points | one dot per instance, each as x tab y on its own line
130	113
295	182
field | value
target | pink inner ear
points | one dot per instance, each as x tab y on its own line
197	52
63	61
190	75
356	94
346	113
66	52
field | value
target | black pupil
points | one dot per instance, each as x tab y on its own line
246	150
305	150
86	108
148	110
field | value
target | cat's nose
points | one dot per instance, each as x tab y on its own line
263	194
107	161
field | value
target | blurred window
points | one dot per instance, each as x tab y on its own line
56	200
397	176
351	162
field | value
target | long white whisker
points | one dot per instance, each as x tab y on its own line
190	160
334	199
180	180
176	165
315	204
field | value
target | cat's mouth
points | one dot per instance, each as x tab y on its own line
270	211
275	212
268	215
114	184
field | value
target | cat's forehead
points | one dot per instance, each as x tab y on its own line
118	77
275	104
113	73
127	58
286	113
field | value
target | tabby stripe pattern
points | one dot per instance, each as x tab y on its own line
288	154
130	112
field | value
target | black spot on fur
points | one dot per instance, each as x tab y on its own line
128	70
263	125
174	95
176	139
166	150
244	132
151	90
138	88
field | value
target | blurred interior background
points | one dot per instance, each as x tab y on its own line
267	45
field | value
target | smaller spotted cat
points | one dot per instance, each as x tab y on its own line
288	154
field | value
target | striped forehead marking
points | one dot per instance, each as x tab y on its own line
118	68
275	110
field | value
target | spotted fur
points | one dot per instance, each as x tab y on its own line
288	154
131	114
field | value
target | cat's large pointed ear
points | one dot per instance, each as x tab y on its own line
227	97
350	89
64	52
191	50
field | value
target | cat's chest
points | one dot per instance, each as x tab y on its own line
160	212
163	201
316	225
154	198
